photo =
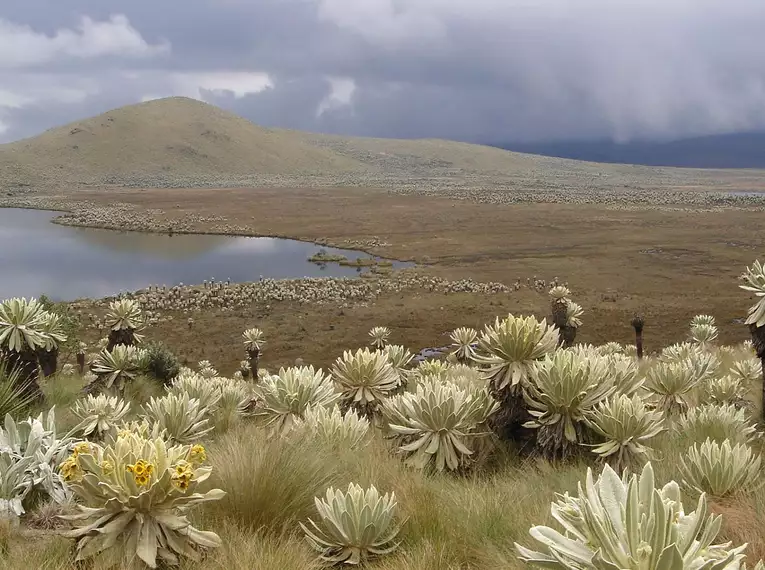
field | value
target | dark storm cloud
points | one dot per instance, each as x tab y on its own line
478	70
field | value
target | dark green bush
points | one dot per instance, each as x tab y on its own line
162	363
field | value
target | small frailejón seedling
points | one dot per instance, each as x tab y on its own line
183	419
365	379
628	523
721	469
206	390
435	424
627	425
285	397
125	320
29	453
116	366
671	383
333	428
379	336
725	390
561	390
718	423
99	415
354	525
464	340
135	495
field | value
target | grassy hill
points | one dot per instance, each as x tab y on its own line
166	137
180	142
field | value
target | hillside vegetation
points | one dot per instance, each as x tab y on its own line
383	460
182	142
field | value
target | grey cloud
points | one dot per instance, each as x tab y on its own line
479	70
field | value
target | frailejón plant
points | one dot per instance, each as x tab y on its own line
627	523
509	348
464	341
436	423
718	423
135	495
183	419
333	428
365	378
284	397
627	426
380	336
720	469
561	390
100	415
354	525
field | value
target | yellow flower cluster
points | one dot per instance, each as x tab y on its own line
197	454
70	470
141	471
107	467
182	475
82	448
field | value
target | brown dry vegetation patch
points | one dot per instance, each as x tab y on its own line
742	524
668	265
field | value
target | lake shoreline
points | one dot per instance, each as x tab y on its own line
96	261
64	209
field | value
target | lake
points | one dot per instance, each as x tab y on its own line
66	263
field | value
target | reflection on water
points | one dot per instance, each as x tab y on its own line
63	262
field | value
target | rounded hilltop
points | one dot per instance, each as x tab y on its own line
169	137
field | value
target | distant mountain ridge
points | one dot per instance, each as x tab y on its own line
736	150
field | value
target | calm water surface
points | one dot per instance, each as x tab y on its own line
66	263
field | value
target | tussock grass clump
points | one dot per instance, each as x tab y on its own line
270	486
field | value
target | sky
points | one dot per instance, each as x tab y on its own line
472	70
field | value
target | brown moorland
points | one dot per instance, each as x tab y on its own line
666	264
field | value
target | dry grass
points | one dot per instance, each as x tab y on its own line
743	520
